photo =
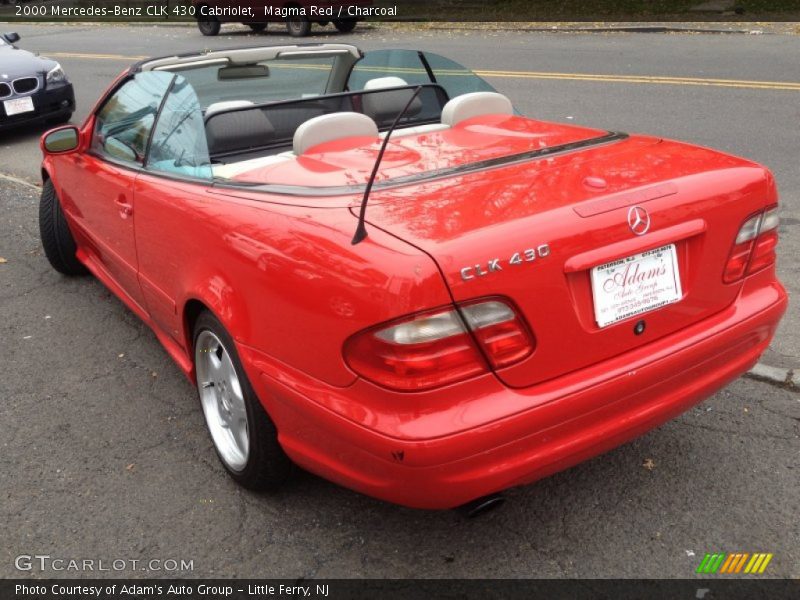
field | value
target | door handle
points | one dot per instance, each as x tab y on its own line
125	208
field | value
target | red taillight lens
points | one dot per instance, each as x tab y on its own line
754	247
766	242
500	331
435	348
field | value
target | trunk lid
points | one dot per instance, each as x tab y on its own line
576	204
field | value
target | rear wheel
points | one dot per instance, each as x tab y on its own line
298	26
257	27
57	241
207	24
345	25
244	436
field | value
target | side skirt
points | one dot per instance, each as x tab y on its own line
175	351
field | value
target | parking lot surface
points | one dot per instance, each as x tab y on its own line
105	454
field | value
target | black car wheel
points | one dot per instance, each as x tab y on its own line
207	24
57	241
345	25
298	26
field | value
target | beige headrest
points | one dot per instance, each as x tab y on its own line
335	126
384	107
381	83
225	105
475	104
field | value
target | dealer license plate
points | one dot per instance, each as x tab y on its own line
634	285
18	106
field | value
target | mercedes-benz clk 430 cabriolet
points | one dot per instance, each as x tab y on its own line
373	267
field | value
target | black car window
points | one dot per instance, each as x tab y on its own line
123	124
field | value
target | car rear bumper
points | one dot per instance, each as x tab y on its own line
49	103
444	470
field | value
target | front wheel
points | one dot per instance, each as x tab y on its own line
57	241
345	25
244	436
298	26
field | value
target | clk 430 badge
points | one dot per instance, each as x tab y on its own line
492	266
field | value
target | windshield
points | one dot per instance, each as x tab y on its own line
317	120
280	78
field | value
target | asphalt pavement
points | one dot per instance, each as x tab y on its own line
104	449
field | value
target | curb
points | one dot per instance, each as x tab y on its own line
777	376
611	29
18	181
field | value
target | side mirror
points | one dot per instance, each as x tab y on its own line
11	38
61	140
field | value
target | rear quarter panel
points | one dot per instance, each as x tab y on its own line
284	280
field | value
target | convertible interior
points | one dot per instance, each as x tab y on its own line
264	106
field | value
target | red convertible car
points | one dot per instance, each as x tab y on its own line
373	267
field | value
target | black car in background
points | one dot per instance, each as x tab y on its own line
297	14
32	88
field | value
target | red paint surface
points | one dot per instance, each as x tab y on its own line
281	275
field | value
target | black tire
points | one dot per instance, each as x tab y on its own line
267	465
257	27
345	25
298	26
57	241
207	24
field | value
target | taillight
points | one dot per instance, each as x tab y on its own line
435	348
766	242
754	247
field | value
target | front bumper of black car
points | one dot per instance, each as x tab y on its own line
54	103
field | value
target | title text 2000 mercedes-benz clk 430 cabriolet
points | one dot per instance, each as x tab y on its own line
373	267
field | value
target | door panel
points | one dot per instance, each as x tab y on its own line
103	210
168	209
98	185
